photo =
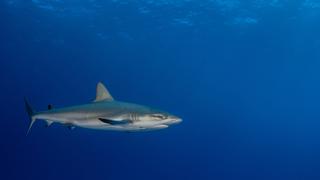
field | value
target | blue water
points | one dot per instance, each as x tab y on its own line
243	75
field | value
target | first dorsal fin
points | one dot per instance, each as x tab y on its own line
102	93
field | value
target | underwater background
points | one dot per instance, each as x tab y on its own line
243	75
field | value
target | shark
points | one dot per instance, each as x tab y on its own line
105	113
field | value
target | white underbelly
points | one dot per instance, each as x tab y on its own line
99	125
127	128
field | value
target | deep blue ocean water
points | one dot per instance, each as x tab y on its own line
243	75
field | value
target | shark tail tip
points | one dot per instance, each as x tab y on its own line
30	112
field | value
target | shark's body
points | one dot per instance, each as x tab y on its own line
106	114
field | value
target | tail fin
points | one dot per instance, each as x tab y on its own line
30	114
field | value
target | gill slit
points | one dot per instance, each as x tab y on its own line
134	117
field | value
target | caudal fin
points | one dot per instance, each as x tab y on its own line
30	114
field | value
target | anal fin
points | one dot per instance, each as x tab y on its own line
49	123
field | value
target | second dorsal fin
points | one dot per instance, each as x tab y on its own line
102	93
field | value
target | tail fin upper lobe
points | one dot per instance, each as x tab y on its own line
30	113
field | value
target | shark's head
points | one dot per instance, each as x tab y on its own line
160	117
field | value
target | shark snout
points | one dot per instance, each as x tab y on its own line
174	120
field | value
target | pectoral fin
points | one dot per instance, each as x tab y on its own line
113	122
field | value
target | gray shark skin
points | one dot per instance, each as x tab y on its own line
105	113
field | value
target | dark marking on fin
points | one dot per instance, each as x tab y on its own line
113	122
